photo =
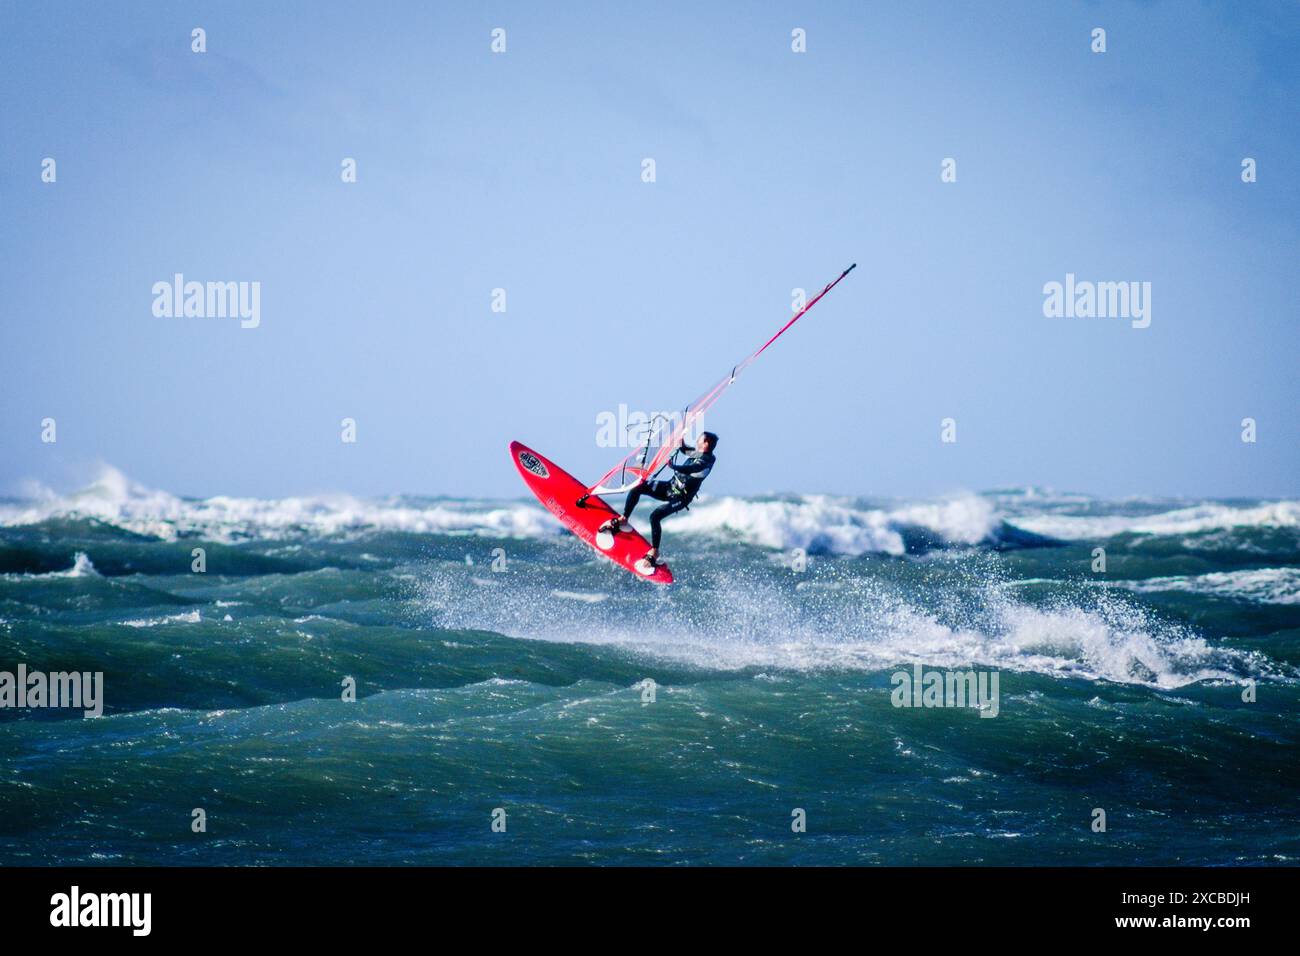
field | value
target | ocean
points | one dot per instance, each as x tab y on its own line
518	700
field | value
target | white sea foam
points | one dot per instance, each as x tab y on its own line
1261	585
82	567
864	625
816	523
115	499
185	617
812	522
839	526
584	596
1180	521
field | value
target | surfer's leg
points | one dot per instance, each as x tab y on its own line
658	515
656	489
655	531
633	497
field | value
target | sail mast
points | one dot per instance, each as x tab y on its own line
644	471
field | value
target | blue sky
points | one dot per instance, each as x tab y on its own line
775	170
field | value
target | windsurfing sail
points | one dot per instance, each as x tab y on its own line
663	435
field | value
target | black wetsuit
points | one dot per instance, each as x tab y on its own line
678	492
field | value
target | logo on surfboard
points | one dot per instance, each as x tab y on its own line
533	464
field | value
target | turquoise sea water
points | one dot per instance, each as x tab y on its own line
499	664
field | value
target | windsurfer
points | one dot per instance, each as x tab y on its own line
677	493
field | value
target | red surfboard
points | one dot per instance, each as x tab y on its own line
559	491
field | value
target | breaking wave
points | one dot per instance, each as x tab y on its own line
117	500
822	524
819	524
1260	585
1195	519
859	624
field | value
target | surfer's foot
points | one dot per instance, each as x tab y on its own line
612	525
652	558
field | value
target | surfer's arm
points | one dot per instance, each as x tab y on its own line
690	468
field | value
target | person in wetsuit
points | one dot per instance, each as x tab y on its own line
677	492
